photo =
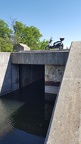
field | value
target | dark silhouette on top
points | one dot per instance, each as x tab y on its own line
57	44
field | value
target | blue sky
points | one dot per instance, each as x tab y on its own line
54	18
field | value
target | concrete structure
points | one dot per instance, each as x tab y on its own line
53	78
40	57
20	69
21	47
14	73
65	124
9	74
54	63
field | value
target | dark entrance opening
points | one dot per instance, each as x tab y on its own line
25	113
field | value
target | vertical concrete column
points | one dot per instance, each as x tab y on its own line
15	77
5	73
53	78
9	74
65	124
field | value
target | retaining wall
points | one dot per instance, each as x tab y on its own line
65	123
9	75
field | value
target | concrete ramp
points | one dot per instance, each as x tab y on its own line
65	124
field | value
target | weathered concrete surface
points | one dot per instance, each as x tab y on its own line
54	72
20	47
40	57
8	74
65	124
53	78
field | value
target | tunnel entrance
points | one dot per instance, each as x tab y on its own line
30	73
26	113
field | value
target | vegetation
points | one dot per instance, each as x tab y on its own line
20	33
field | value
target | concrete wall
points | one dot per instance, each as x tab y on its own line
53	78
65	124
8	74
40	57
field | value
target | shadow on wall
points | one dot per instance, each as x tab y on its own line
8	74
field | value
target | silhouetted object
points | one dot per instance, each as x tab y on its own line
57	44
